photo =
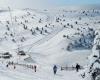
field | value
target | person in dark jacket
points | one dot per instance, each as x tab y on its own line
77	67
14	67
55	69
35	68
7	65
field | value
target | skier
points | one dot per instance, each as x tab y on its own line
14	67
35	68
7	65
55	69
77	67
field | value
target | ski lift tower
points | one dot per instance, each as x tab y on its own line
10	15
11	18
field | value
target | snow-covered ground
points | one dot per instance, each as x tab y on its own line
61	37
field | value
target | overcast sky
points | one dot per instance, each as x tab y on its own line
44	3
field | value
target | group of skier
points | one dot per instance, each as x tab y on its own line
34	67
55	68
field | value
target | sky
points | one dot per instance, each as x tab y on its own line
45	3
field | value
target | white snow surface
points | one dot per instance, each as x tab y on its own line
46	49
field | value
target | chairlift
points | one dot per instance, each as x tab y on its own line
22	53
6	55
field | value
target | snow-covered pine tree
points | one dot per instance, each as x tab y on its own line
94	66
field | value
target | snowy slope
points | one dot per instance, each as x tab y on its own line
45	37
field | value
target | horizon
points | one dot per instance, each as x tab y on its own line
45	4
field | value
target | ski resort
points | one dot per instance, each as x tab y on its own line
61	43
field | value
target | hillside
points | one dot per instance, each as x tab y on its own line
62	36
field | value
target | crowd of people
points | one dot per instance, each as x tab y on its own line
34	67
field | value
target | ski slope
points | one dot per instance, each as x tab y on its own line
41	35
